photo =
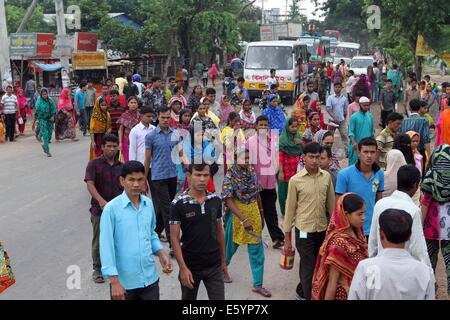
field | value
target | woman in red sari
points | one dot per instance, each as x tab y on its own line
24	109
343	248
65	122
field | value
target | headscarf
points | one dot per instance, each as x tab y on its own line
64	101
248	118
225	109
287	144
99	119
213	72
21	99
339	250
334	166
299	113
275	115
394	160
412	134
437	179
173	114
319	136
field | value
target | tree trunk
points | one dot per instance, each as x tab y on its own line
418	66
184	33
166	66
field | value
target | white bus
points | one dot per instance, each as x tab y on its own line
346	51
288	58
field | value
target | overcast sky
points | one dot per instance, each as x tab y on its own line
308	5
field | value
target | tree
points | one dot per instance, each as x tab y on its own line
295	14
15	14
404	20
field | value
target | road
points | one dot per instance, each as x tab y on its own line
45	226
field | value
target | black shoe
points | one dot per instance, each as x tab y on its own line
278	244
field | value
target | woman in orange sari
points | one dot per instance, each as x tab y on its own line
443	126
343	248
299	111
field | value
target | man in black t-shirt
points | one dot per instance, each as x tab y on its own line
198	214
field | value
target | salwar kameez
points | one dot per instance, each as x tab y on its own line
45	110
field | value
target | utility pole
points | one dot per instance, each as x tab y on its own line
27	16
5	64
62	41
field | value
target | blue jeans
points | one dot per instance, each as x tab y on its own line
375	92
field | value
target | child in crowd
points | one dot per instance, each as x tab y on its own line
248	118
313	128
225	109
264	100
175	107
99	126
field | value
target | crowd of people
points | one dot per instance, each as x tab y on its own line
383	216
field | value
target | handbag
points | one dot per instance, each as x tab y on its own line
6	275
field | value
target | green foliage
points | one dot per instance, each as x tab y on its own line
249	30
295	14
15	14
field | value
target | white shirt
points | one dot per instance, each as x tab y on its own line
141	89
137	141
392	275
271	81
416	245
350	83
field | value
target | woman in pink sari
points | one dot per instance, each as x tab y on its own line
213	73
65	118
24	109
127	121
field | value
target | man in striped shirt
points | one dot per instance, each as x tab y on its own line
115	109
385	140
9	107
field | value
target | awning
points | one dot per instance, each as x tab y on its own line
47	67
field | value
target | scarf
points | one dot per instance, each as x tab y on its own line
437	179
339	250
287	144
45	108
130	118
319	136
412	134
249	118
394	160
100	121
213	72
276	117
64	101
21	99
241	184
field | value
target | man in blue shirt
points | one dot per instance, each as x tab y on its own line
337	104
240	85
160	152
128	240
364	178
80	107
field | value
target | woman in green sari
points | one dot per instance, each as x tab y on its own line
291	147
45	113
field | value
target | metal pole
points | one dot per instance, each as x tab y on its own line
27	16
5	63
62	40
21	71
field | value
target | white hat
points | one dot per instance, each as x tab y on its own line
364	100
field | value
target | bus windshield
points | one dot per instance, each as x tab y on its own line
346	52
361	63
269	57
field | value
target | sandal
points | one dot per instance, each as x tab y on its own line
262	291
278	244
97	277
227	278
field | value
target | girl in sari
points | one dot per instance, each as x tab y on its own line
343	248
127	121
248	118
225	109
299	111
65	119
232	138
313	128
175	107
100	124
24	110
45	114
291	148
241	195
194	98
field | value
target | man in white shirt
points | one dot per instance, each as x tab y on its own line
408	181
138	133
9	106
393	274
272	80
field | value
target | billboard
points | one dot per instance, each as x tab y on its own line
45	44
23	44
86	41
89	60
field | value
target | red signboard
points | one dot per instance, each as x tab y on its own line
86	41
45	44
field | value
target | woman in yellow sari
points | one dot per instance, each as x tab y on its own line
299	113
100	124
